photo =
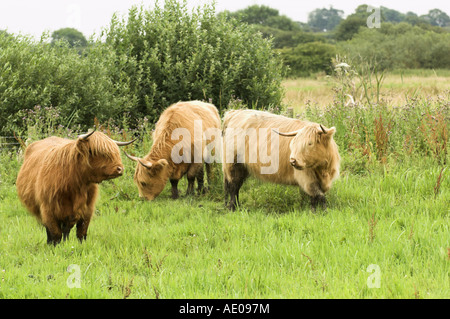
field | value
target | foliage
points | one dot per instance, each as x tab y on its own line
400	46
264	15
325	19
74	37
38	73
170	54
437	17
373	131
308	58
391	213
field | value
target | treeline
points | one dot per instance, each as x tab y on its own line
141	64
402	40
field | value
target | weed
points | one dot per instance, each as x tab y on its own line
438	183
126	290
382	130
372	223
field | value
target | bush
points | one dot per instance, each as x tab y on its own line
400	46
308	58
38	73
370	131
170	54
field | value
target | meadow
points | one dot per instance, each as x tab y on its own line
384	234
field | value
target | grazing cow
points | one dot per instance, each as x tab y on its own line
58	180
307	155
159	165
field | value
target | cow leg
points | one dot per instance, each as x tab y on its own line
52	226
174	183
54	232
200	181
208	175
82	227
317	196
191	175
238	175
83	222
190	189
66	226
226	187
65	230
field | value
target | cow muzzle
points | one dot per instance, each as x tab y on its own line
294	164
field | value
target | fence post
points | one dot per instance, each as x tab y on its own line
290	112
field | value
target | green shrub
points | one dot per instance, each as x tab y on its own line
400	46
39	73
170	54
308	58
370	131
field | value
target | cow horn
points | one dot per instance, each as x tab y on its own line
286	134
149	165
323	130
133	158
86	136
137	159
124	143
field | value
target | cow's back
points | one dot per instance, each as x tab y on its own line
183	115
27	179
253	121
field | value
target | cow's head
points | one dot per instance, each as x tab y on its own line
100	156
313	147
150	176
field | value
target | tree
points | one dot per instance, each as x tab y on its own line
74	37
349	27
308	58
325	19
437	17
266	16
391	15
170	54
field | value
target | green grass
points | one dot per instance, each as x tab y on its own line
273	247
384	210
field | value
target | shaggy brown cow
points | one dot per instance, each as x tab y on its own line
306	154
161	164
58	180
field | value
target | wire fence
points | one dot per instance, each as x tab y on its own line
8	142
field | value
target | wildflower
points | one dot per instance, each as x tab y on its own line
342	65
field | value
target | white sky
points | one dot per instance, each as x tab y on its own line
89	16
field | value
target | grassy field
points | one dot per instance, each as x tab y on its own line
385	234
397	88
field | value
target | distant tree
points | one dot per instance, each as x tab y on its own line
74	37
264	15
325	19
349	27
413	19
391	15
437	17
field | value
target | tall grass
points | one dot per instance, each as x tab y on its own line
388	209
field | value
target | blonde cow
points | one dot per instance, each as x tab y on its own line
302	153
177	149
58	180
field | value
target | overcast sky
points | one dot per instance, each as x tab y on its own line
89	16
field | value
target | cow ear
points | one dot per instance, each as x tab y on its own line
327	132
162	162
144	163
331	131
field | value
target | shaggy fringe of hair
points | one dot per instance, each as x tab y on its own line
70	159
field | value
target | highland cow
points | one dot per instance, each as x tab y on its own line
178	143
58	180
306	153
